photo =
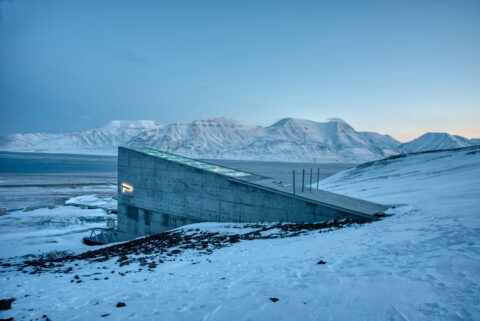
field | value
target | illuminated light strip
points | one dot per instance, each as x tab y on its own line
191	162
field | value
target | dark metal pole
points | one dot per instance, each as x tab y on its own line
303	180
293	182
311	171
318	176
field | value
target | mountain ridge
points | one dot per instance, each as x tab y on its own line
289	139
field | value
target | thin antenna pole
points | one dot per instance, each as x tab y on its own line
303	180
311	171
293	182
318	176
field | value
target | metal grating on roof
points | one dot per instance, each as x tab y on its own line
191	162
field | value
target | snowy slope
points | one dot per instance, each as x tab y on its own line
435	141
103	140
421	263
382	141
475	141
210	138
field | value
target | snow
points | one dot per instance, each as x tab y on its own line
48	229
422	263
98	141
436	141
95	200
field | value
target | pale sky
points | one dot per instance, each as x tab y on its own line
396	67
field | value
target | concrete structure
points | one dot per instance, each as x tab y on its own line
160	191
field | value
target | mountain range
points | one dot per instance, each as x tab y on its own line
289	139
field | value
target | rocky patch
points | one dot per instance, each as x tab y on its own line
150	251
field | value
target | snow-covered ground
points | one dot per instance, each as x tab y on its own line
94	200
59	228
422	263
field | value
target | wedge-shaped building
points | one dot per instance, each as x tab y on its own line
159	191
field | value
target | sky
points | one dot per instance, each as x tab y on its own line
396	67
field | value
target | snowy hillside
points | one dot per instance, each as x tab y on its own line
475	141
289	139
421	263
103	140
436	141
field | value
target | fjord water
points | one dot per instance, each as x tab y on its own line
45	163
43	179
40	179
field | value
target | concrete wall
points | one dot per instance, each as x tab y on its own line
167	195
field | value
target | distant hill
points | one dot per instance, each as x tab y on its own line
103	140
437	141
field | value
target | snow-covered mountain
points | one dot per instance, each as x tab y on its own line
436	141
103	140
289	139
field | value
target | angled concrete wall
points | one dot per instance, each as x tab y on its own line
168	194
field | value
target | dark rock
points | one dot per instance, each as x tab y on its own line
120	305
381	215
164	246
125	263
76	277
321	262
105	315
274	299
6	304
